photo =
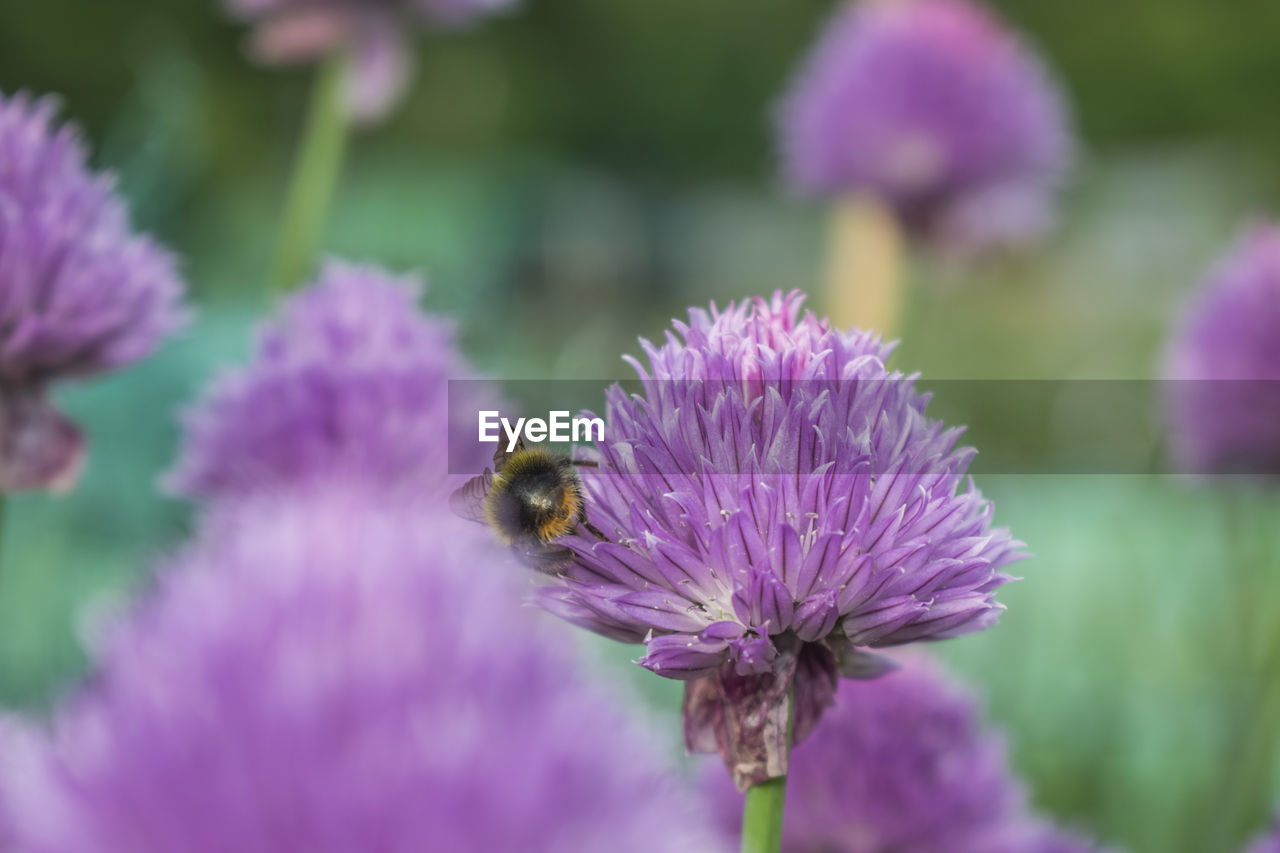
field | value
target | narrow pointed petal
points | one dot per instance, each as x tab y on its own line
684	656
765	602
663	610
816	616
753	656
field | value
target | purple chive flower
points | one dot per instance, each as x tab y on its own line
901	763
1268	842
80	293
350	382
8	731
776	502
1224	363
329	675
934	107
374	32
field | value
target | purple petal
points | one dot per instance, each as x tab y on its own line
865	628
816	616
724	630
765	603
753	655
663	610
591	612
683	656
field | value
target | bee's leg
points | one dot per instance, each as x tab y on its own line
594	531
548	559
571	459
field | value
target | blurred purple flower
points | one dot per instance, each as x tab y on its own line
9	732
934	107
375	32
1268	842
80	293
328	675
904	764
350	382
777	500
1224	363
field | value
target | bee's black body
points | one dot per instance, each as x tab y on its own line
529	498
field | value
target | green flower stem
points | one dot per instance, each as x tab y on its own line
762	814
762	818
1249	759
315	174
1245	801
2	508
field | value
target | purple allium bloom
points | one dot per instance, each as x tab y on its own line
330	675
1269	842
776	501
80	293
934	107
350	382
903	763
1031	834
9	729
1224	363
375	32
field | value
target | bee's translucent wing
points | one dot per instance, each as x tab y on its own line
500	456
468	501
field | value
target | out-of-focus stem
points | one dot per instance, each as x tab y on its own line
1250	758
1253	557
763	810
2	508
315	174
865	280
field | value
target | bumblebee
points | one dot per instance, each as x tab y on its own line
529	498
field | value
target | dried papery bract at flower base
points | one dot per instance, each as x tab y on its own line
376	34
776	502
935	109
902	763
331	674
349	382
1223	365
80	293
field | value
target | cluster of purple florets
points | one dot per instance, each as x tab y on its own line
937	110
337	662
81	294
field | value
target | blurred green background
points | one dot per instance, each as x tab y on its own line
572	175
